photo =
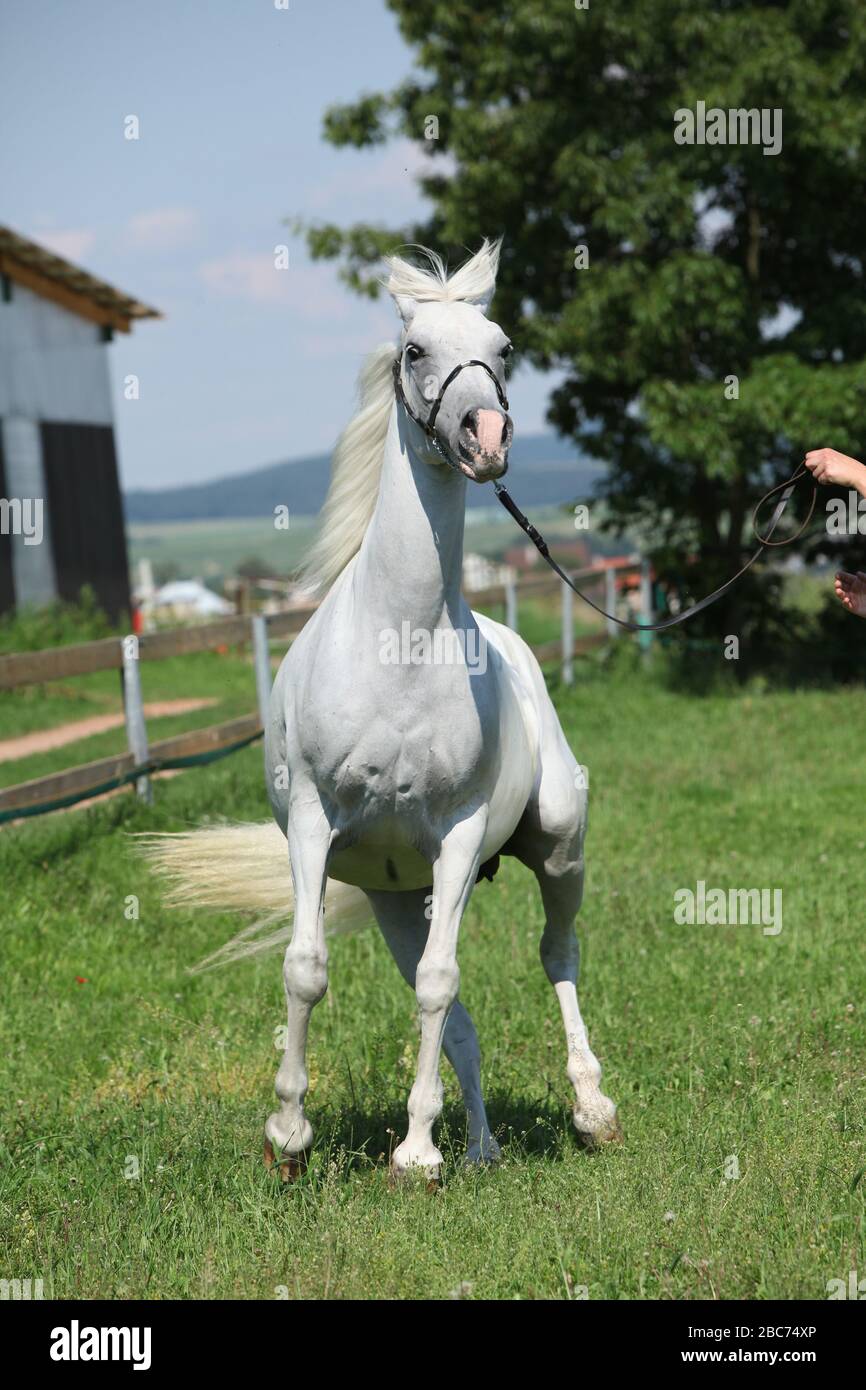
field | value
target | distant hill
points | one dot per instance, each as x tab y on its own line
543	471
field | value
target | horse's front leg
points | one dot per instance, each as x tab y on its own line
437	980
402	918
288	1133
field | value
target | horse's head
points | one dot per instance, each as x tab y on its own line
452	361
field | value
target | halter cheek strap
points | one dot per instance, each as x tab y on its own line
428	425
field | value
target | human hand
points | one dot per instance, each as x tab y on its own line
830	467
851	592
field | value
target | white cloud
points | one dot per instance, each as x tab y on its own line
246	276
162	229
72	243
311	291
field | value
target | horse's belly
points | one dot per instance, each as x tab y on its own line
382	858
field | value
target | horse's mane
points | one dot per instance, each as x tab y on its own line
356	466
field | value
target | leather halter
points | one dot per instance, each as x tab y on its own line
428	425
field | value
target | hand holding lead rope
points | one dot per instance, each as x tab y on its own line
786	488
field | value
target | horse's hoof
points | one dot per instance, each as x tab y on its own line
596	1128
291	1166
482	1154
414	1167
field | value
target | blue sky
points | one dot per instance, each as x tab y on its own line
250	365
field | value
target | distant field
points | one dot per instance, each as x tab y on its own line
211	550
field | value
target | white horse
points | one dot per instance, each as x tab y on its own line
409	740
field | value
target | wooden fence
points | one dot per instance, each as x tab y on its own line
125	654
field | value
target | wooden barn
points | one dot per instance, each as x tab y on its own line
61	515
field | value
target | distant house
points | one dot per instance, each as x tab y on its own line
183	599
61	517
481	573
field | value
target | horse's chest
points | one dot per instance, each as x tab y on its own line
398	753
397	761
394	785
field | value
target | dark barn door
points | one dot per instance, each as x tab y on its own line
85	513
7	585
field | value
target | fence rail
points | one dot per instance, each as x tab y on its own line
107	774
197	746
56	663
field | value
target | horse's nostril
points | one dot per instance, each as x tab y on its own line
490	430
487	432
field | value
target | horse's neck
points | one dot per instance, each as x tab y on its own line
411	560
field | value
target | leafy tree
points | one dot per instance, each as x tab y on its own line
252	568
555	125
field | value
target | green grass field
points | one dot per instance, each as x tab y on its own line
134	1094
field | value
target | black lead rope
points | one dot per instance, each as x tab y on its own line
765	540
540	543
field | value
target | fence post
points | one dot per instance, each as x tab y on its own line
567	635
610	600
511	604
133	706
262	663
646	603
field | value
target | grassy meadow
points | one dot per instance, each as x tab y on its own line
134	1093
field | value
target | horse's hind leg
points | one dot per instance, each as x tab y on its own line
288	1133
402	918
594	1115
549	840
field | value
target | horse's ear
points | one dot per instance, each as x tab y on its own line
475	281
406	307
481	301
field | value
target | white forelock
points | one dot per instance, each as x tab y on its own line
474	281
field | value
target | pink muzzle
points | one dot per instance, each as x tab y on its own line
489	430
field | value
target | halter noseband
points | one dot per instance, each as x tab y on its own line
428	424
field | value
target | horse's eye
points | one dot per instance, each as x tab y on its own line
506	351
413	352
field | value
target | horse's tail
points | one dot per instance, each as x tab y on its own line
244	868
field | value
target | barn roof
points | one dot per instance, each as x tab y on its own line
26	263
